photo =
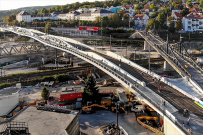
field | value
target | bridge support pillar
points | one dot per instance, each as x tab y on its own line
170	128
147	46
167	66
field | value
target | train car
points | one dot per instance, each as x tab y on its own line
199	103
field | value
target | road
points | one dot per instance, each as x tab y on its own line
89	123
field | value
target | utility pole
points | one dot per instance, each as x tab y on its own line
167	45
126	51
134	56
180	47
101	28
121	43
129	23
149	57
110	42
117	105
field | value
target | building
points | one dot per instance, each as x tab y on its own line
141	20
92	16
26	17
114	9
194	9
41	122
193	22
147	10
174	17
23	16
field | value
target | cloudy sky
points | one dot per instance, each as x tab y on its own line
14	4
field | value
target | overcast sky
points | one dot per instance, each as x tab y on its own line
14	4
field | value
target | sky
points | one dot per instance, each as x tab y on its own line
14	4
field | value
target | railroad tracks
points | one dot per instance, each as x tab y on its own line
177	99
23	77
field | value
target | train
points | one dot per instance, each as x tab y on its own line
199	103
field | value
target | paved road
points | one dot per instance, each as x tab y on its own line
89	123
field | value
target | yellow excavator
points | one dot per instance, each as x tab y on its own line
92	108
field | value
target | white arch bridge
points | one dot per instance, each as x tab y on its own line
128	74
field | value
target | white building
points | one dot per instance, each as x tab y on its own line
92	16
23	16
26	17
141	19
83	10
193	22
147	10
174	17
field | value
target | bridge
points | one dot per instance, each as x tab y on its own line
132	76
183	64
8	48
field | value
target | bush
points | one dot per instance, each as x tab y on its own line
47	78
4	85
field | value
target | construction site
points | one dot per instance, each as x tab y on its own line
28	66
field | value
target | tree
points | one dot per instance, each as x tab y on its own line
90	91
161	18
171	27
152	22
45	94
154	15
185	11
189	3
178	25
153	6
44	11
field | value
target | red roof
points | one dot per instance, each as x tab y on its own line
194	16
178	15
138	16
128	6
194	8
147	7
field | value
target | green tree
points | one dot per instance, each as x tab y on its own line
171	27
154	15
10	20
178	25
153	6
161	18
185	11
90	91
45	94
189	3
44	11
152	22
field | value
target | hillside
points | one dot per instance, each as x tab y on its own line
4	13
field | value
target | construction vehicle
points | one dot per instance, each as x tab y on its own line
92	108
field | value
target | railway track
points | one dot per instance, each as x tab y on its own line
170	94
15	78
177	99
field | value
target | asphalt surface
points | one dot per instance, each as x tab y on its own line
89	123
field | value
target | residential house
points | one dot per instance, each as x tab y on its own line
174	17
141	20
194	9
147	10
193	22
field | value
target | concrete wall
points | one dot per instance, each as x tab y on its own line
167	66
170	128
147	46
